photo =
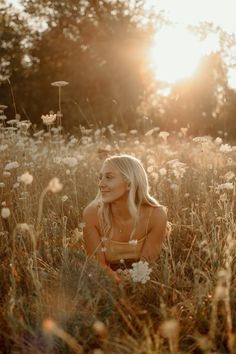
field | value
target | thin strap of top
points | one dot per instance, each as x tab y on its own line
149	217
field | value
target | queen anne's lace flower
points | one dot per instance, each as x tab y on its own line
55	185
26	178
140	272
11	165
227	185
49	119
59	83
70	161
5	213
164	135
225	148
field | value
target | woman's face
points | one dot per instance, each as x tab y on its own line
112	185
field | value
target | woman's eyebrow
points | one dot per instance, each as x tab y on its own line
106	174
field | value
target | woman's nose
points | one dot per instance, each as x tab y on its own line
101	182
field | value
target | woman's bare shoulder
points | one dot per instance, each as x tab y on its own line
159	215
90	212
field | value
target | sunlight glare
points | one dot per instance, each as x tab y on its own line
232	78
175	53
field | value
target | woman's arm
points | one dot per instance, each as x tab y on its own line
156	235
92	239
91	234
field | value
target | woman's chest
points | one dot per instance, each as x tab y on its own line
127	231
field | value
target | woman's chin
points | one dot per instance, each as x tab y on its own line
106	199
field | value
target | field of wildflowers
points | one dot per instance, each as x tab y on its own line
54	299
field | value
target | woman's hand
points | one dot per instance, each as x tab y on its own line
124	274
113	274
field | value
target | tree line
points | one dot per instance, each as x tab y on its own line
100	47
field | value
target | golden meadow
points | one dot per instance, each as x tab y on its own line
54	299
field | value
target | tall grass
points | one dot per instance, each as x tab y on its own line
55	300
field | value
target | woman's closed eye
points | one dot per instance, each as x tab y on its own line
108	177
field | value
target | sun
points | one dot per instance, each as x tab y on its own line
175	53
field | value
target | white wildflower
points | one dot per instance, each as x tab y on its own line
111	128
5	213
26	178
227	185
218	141
24	126
150	169
225	148
49	119
77	234
59	83
55	185
64	198
223	197
133	131
169	328
174	187
6	174
97	132
178	168
164	135
140	272
229	175
81	225
3	117
11	165
155	176
108	148
70	161
184	131
73	141
133	242
86	140
3	147
201	139
220	292
163	171
100	328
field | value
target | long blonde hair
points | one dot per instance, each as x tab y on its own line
134	173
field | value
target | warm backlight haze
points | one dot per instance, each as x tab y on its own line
175	53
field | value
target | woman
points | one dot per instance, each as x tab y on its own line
123	224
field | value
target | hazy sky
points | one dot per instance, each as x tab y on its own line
221	12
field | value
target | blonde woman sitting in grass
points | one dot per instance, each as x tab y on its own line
123	224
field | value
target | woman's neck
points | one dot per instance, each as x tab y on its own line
120	210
